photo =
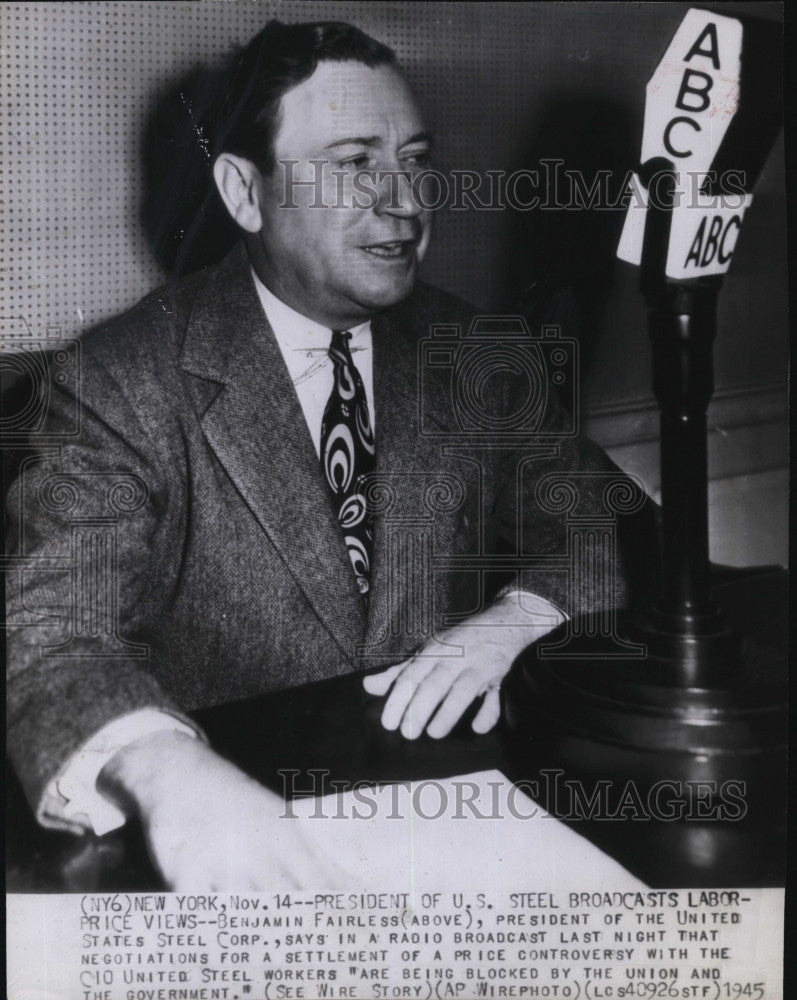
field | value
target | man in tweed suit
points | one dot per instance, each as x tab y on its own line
206	403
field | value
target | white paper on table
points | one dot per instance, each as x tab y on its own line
402	847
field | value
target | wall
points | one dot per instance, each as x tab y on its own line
89	90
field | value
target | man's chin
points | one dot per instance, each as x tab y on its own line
376	298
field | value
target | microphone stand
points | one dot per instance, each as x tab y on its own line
702	706
684	626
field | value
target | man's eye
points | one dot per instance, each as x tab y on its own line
421	159
360	162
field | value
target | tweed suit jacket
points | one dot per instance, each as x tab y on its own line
182	549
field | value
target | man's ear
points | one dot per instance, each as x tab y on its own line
238	181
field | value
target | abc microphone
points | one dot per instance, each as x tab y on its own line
711	116
712	113
702	704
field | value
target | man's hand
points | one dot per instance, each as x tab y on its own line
429	684
209	826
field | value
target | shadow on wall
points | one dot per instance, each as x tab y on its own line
185	222
559	258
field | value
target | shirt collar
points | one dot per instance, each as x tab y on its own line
292	328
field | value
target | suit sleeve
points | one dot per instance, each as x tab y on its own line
80	531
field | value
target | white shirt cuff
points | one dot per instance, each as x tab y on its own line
533	604
79	804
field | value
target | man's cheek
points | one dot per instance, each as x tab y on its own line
426	235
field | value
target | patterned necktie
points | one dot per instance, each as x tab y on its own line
347	456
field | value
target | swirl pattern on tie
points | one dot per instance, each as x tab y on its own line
348	456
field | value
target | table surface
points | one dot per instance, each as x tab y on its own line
333	727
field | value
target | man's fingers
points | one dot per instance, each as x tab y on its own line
462	693
490	712
440	690
427	697
379	683
404	688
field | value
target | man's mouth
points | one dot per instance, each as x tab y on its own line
398	249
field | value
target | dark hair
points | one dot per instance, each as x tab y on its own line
277	59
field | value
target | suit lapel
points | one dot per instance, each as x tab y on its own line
252	419
407	464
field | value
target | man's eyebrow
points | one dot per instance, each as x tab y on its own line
419	137
374	140
355	140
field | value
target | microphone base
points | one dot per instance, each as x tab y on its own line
695	725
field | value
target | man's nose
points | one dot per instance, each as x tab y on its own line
396	194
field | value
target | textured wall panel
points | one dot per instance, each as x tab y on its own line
502	83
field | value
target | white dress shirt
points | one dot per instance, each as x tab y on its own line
305	345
